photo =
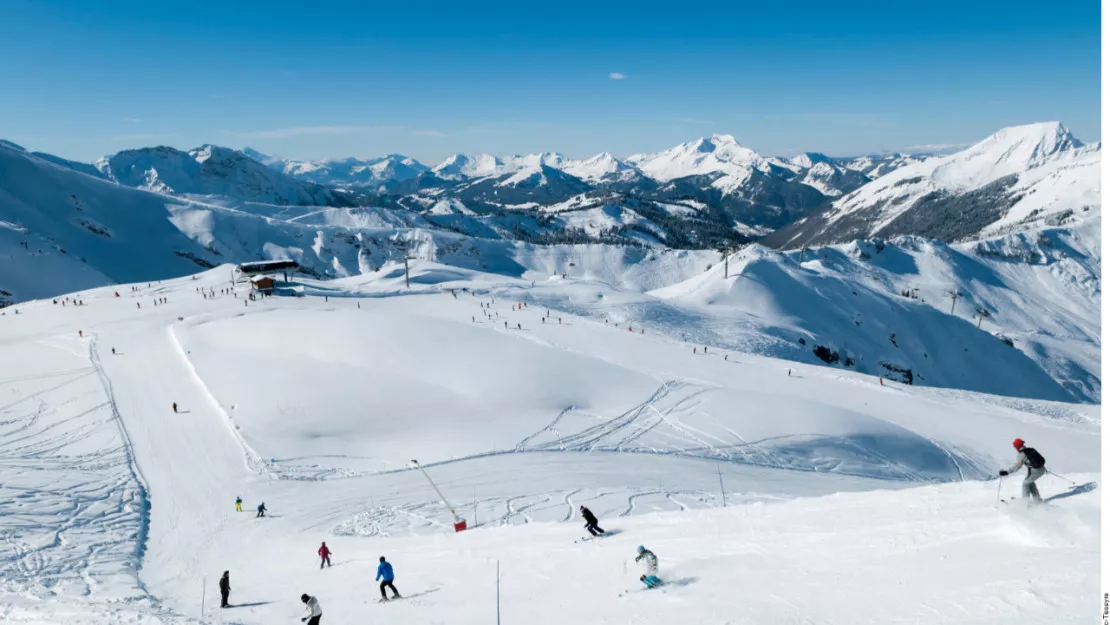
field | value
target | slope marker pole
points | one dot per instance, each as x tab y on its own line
722	480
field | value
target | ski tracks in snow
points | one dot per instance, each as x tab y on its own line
73	506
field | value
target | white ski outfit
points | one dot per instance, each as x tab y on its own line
314	611
1028	485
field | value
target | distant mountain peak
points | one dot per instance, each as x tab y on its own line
1029	143
14	146
806	160
209	151
717	154
1017	178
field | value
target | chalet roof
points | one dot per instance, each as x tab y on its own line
262	266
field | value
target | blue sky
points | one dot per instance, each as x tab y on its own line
329	79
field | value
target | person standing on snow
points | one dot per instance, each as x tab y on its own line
385	573
175	407
1034	461
325	554
238	504
314	611
591	521
225	588
651	567
261	510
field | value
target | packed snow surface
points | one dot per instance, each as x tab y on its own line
848	501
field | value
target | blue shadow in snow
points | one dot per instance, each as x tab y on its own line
1075	490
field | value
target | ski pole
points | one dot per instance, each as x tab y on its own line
998	496
1061	477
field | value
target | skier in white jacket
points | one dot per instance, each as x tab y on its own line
314	611
651	567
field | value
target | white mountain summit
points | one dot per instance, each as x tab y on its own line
717	154
1018	175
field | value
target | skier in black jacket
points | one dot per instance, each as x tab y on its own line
225	588
591	521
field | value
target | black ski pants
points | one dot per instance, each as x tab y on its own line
388	583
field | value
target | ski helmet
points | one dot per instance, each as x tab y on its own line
1018	443
305	598
640	549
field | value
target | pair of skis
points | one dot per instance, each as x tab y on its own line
586	539
657	586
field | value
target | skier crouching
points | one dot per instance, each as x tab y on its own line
591	521
651	567
314	611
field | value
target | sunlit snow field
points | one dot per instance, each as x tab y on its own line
847	501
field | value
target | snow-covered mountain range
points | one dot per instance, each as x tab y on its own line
729	193
347	172
744	191
63	229
214	171
708	193
1016	178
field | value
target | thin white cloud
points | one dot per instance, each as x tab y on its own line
936	147
130	120
617	76
429	133
308	131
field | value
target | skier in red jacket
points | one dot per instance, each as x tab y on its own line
325	554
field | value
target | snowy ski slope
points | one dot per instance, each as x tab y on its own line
849	501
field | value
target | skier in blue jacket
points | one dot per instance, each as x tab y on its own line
385	574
